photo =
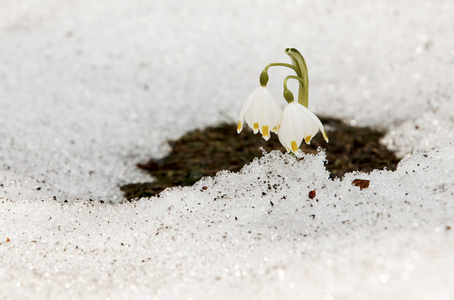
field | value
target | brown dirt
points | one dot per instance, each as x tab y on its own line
204	152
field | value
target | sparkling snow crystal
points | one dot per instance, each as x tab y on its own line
90	88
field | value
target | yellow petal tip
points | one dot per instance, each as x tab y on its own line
240	127
307	139
265	132
325	136
294	146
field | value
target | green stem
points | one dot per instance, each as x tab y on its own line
300	68
292	77
280	65
287	93
264	75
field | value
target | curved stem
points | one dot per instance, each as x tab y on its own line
264	75
292	77
302	87
281	65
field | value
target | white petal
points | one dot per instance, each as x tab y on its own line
270	117
253	113
275	116
245	109
314	118
312	122
262	112
298	123
290	131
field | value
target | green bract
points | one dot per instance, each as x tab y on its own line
301	70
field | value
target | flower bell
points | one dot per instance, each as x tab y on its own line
298	123
262	112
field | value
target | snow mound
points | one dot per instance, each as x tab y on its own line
255	233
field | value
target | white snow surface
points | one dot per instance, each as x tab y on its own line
89	88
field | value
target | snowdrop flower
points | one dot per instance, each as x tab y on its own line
262	112
298	123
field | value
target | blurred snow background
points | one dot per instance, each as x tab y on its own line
89	88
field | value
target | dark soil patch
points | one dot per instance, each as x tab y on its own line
204	152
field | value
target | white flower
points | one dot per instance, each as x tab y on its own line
298	123
262	112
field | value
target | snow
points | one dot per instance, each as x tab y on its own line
89	88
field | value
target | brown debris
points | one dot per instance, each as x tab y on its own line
312	194
361	183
